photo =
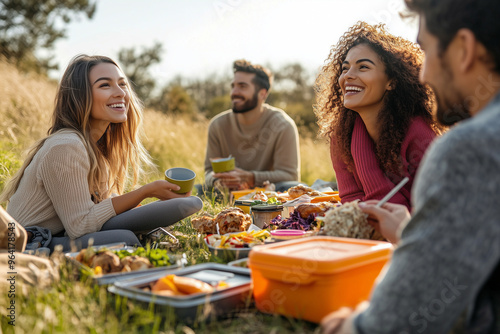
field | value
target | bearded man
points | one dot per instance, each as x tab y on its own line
263	139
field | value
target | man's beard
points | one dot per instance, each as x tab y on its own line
451	105
449	113
248	105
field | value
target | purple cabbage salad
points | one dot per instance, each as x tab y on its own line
295	222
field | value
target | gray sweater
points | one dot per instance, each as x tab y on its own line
444	276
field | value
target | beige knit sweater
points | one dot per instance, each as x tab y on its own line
269	148
54	191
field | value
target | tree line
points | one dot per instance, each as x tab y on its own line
30	26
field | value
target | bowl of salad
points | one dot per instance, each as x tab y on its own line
233	246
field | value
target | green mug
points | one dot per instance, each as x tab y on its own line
183	177
223	165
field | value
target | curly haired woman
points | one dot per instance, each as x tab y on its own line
376	113
65	184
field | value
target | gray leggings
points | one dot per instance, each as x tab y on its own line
121	227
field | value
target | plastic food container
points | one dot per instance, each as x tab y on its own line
241	263
287	234
193	307
243	205
287	210
229	254
115	277
240	193
262	214
308	278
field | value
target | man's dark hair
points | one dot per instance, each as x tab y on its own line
263	76
445	17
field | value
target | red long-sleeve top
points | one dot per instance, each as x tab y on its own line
368	180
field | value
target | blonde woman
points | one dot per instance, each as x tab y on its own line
67	181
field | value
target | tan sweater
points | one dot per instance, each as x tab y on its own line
54	191
269	148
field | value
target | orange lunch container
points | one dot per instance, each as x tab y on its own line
243	205
236	194
308	278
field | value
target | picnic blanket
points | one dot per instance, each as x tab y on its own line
15	266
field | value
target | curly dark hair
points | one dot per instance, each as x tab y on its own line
408	98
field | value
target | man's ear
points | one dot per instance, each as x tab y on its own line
467	49
263	93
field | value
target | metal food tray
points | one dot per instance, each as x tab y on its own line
191	307
241	263
229	254
115	277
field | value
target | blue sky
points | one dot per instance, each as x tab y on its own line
204	37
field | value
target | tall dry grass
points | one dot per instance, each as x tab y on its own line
26	103
177	141
315	160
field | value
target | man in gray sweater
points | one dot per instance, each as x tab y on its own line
444	275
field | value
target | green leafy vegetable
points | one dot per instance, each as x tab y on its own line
158	257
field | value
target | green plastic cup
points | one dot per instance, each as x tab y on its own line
183	177
223	165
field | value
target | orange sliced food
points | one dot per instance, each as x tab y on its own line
327	198
165	286
190	285
168	293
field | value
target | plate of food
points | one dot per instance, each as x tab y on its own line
107	264
229	220
233	246
303	217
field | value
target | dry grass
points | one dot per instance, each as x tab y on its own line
173	141
315	158
25	106
178	141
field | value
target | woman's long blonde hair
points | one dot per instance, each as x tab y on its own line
118	149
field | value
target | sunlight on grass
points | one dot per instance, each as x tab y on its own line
175	141
316	163
74	305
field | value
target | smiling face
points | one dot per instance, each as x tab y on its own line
363	80
110	96
244	94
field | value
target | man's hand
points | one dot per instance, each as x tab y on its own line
387	219
333	322
236	179
340	321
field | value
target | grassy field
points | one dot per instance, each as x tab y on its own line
72	304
